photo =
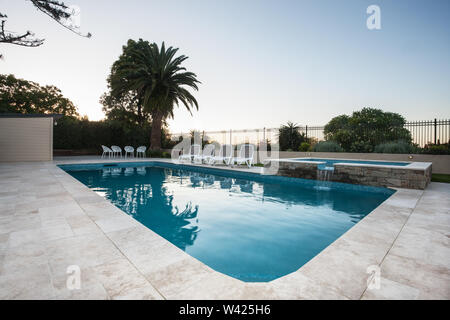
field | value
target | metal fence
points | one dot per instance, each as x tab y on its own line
429	131
422	132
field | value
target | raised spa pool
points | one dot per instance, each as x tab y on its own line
248	226
329	163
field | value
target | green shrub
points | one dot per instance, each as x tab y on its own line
327	146
304	146
154	153
166	154
437	149
395	147
361	146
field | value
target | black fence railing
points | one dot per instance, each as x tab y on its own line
422	133
429	131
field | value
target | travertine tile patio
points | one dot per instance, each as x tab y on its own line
49	221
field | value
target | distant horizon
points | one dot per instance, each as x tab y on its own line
261	63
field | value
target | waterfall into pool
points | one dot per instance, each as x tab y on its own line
324	178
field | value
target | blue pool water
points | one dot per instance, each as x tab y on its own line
329	163
248	226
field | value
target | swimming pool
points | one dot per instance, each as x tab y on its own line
329	163
251	227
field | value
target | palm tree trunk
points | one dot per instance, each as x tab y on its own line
155	139
139	111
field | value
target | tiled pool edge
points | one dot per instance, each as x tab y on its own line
171	271
341	271
305	285
110	219
338	272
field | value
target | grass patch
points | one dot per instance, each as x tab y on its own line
440	177
258	165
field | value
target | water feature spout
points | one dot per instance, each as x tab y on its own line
325	173
324	177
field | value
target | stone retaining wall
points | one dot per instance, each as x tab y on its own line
441	163
292	169
401	177
385	177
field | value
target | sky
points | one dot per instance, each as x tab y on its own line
261	63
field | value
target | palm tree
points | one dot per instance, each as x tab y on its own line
289	136
157	78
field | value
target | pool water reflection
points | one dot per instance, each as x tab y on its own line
250	230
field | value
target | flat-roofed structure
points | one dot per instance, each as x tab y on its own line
26	137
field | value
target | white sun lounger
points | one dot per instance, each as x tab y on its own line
246	153
194	150
225	155
208	153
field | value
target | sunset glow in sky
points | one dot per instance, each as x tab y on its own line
261	63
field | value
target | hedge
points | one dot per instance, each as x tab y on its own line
74	134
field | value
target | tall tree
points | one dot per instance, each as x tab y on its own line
22	96
366	128
157	78
122	104
55	9
126	108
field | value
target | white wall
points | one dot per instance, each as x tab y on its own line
26	139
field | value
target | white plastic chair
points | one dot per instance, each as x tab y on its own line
129	149
208	153
225	155
194	150
141	151
246	153
106	151
116	150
